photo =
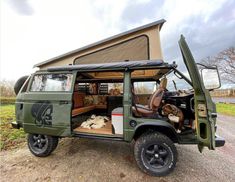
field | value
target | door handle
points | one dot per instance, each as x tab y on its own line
62	102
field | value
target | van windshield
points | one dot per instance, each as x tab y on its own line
174	83
51	82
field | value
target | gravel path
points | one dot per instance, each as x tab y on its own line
96	160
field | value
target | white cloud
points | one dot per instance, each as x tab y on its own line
35	31
54	28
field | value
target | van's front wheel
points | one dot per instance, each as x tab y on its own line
42	145
155	154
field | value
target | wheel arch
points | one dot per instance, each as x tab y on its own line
163	128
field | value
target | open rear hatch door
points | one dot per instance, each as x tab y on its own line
203	105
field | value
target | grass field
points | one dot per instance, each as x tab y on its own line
7	100
228	109
10	138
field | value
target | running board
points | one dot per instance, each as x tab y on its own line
98	137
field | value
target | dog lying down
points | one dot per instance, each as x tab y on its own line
95	122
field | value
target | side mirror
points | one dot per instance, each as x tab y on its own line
210	77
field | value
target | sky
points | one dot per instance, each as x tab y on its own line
33	31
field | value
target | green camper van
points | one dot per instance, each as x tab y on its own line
147	102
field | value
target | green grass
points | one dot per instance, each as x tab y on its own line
7	100
228	109
10	138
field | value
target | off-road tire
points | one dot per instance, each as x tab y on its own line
19	84
144	156
50	145
55	143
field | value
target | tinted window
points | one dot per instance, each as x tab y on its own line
52	82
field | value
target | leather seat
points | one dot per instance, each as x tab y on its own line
154	102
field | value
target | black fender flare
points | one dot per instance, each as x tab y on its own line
160	126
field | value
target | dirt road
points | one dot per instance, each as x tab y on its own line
95	160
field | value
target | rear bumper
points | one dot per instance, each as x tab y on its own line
15	125
219	141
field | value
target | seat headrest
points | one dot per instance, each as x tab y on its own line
163	83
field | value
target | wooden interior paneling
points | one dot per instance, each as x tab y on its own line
107	129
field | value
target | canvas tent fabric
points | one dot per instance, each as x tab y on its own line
134	49
136	44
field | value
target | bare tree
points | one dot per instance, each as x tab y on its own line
225	61
7	88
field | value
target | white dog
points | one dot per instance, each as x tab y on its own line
95	122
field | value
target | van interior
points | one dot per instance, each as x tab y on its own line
98	102
95	101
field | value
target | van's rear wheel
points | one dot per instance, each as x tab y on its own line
155	154
42	145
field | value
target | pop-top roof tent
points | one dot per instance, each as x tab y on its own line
141	43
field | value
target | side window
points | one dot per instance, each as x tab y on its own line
147	87
51	82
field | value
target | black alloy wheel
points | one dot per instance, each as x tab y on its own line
40	142
155	154
41	145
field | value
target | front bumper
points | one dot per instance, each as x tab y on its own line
219	141
15	125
